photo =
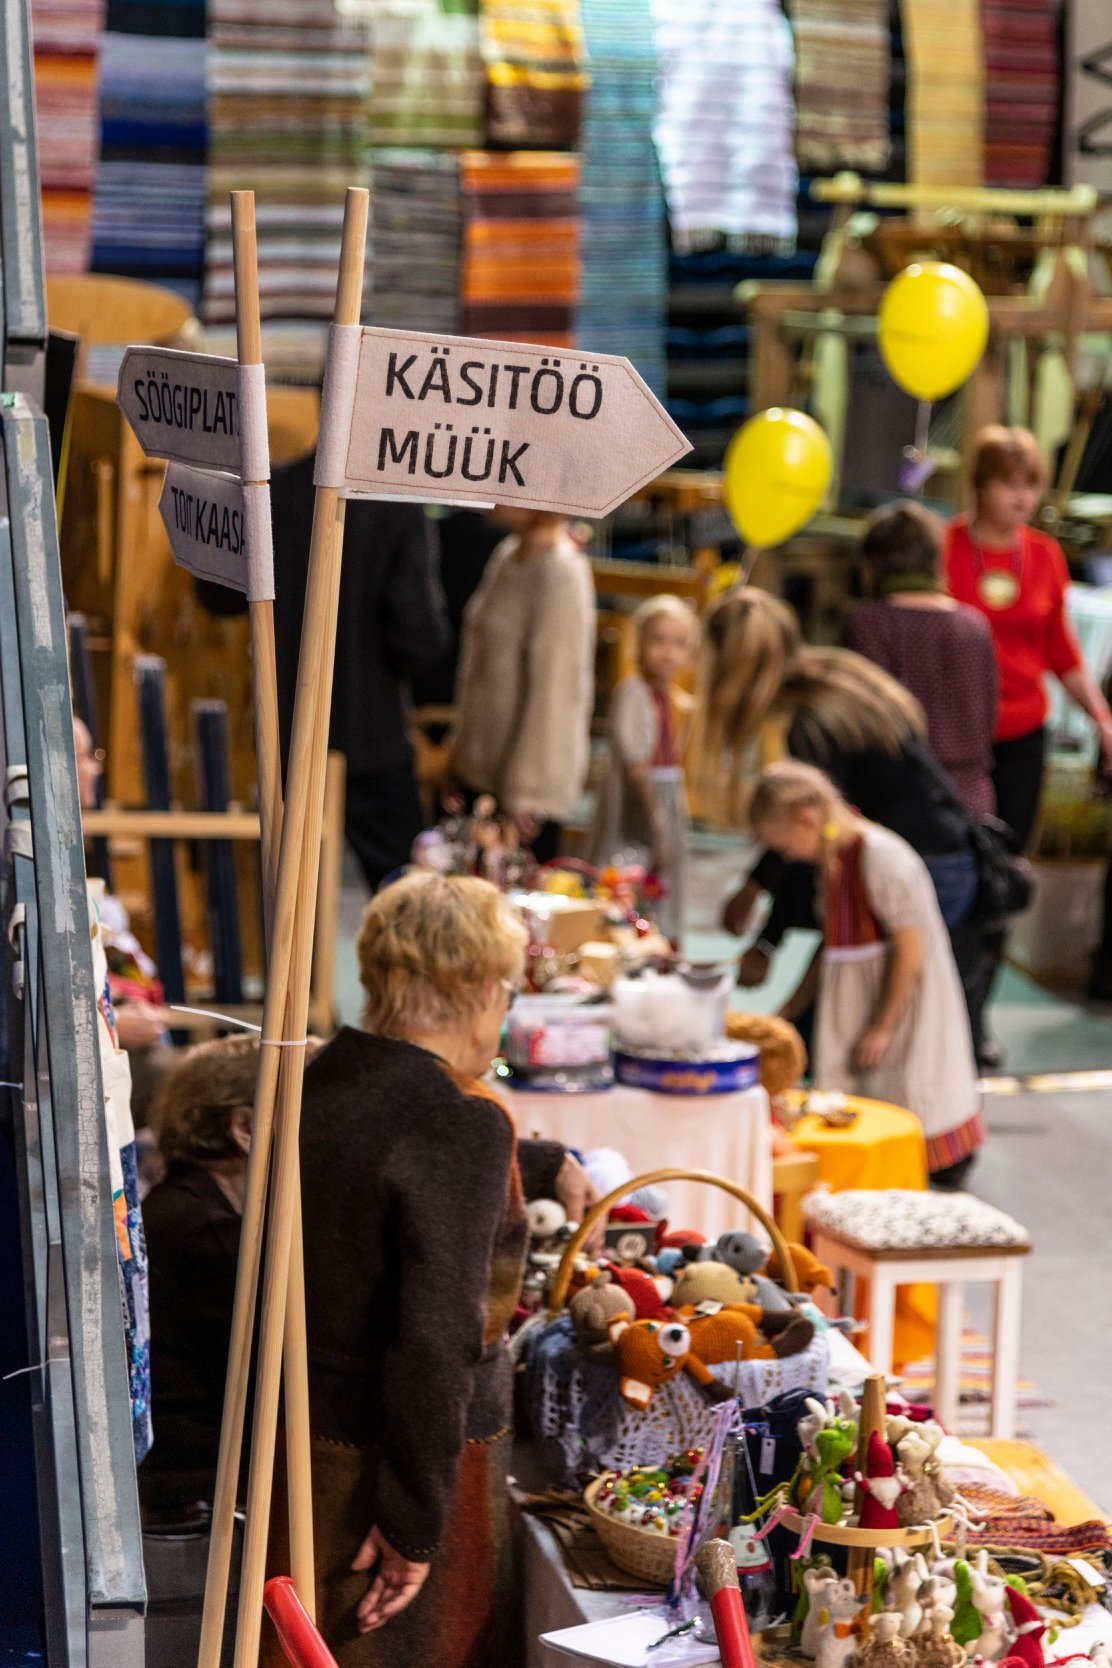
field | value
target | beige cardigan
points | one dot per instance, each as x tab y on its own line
525	687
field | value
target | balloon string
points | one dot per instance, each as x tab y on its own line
922	426
748	562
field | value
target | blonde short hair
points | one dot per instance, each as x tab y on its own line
787	787
669	607
429	947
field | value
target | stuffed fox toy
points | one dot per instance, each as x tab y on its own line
651	1353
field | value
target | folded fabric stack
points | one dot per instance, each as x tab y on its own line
842	73
416	239
148	203
945	92
536	70
724	122
289	84
1021	90
428	82
520	245
623	300
66	39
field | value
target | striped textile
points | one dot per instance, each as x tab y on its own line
842	74
724	122
536	71
148	202
849	922
288	110
945	92
1021	90
66	40
428	81
955	1144
520	245
416	241
623	300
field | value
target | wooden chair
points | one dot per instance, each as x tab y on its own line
792	1177
105	311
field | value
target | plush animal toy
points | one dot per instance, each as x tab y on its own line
745	1253
714	1337
903	1593
1030	1630
594	1309
648	1301
809	1608
928	1491
937	1648
651	1353
711	1282
980	1606
816	1486
885	1648
810	1274
881	1485
838	1624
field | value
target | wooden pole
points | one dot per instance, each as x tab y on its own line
318	635
860	1563
296	1375
294	921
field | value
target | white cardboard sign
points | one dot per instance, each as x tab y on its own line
211	522
451	419
182	406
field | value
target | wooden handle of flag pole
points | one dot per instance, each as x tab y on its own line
293	939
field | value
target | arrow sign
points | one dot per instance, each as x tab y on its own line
450	419
205	517
182	406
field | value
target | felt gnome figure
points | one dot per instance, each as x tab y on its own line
881	1485
1030	1629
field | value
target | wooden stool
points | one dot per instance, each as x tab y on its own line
792	1176
894	1238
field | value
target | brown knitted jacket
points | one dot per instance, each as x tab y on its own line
414	1245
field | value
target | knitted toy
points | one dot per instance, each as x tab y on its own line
885	1648
711	1282
1030	1630
745	1254
810	1274
714	1337
648	1303
650	1353
594	1309
881	1485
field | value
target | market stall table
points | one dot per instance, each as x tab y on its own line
728	1134
882	1147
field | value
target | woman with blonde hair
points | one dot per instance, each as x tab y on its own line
890	1020
641	815
413	1191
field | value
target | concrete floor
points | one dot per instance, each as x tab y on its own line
1048	1162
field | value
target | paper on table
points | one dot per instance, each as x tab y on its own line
624	1641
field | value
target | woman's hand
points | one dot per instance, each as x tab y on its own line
737	910
395	1581
753	968
872	1048
141	1024
577	1193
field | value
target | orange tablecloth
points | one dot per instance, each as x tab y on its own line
883	1147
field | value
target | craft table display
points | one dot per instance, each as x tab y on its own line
883	1147
728	1134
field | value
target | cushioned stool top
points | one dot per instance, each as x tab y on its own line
893	1219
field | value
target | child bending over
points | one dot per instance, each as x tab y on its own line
642	806
891	1021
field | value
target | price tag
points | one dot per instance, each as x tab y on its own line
768	1456
1089	1573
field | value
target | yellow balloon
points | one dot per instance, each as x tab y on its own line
777	470
932	328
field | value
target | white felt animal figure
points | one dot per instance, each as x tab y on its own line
884	1648
814	1580
988	1598
935	1647
1099	1655
840	1606
902	1594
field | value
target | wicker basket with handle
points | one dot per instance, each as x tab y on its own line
641	1552
561	1280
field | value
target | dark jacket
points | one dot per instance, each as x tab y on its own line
392	620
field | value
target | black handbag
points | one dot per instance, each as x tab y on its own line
1005	884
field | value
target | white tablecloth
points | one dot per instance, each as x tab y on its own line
727	1134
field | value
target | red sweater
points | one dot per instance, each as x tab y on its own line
1033	635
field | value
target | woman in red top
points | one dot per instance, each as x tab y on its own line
1017	578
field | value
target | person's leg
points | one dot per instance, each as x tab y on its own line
546	846
382	818
1017	777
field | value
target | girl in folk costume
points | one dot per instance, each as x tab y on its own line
891	1023
642	806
